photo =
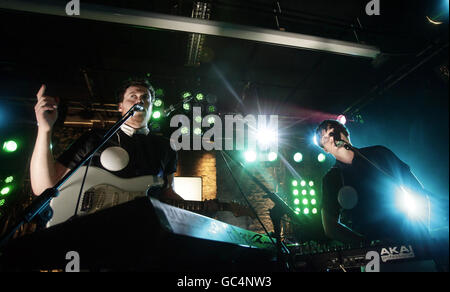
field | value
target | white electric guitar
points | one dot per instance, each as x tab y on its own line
102	190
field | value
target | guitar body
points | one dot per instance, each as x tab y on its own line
115	190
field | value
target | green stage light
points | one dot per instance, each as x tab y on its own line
199	96
184	130
197	131
10	146
156	115
297	210
4	191
295	192
306	211
212	109
9	179
187	106
159	92
296	201
321	157
303	183
314	211
304	192
186	95
198	119
2	202
158	103
312	192
272	156
298	157
250	156
311	183
211	120
305	201
294	183
313	201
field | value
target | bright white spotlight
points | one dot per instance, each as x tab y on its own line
412	204
266	137
250	156
272	156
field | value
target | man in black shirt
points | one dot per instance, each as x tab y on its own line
131	152
362	192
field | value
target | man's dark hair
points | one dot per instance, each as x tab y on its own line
331	124
135	82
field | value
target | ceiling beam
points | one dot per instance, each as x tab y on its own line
191	25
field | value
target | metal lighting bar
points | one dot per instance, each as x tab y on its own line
192	25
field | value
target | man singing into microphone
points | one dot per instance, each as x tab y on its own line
360	192
132	152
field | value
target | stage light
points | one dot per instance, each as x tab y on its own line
10	146
186	95
266	137
311	183
313	201
304	192
159	92
156	115
298	157
297	210
296	201
199	96
9	179
212	109
306	211
4	191
305	202
412	204
294	183
341	119
295	192
2	202
314	210
321	157
198	119
303	183
197	131
250	156
184	130
211	120
187	106
272	156
158	103
312	192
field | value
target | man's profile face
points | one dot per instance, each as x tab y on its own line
132	96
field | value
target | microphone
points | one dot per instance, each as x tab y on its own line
338	141
139	107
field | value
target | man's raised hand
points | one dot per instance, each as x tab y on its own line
46	110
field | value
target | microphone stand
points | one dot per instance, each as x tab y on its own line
43	200
276	213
